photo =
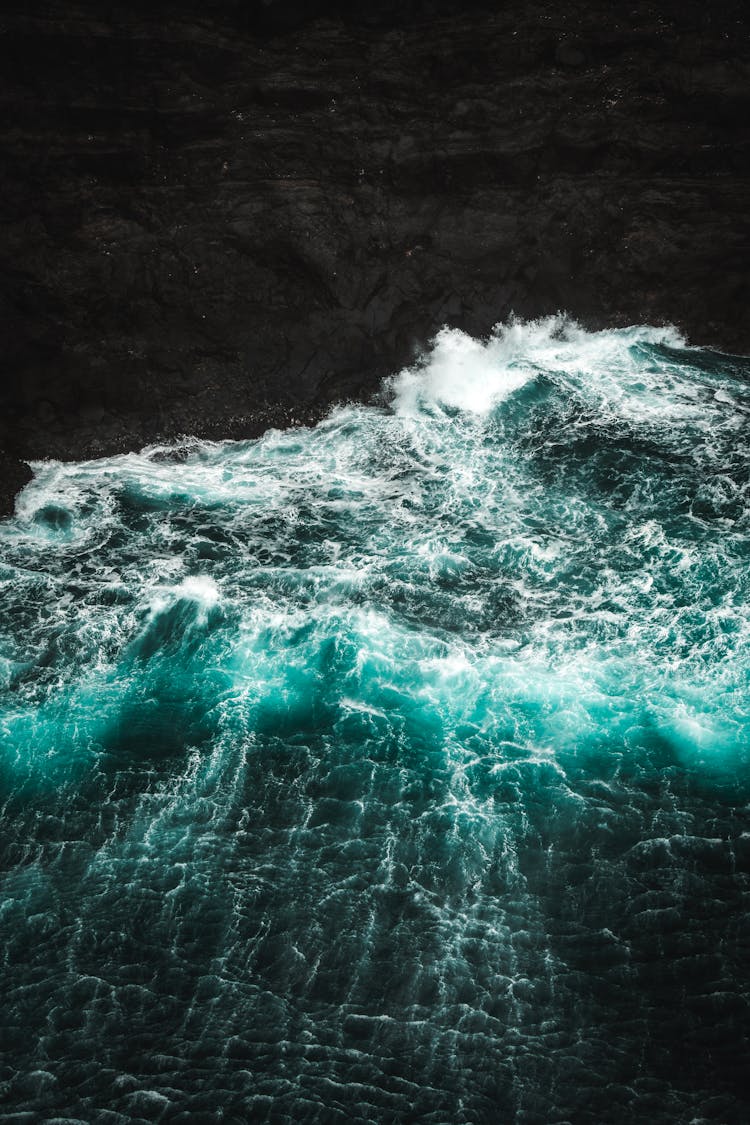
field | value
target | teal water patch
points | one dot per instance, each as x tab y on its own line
394	769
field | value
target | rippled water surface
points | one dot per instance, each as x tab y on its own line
395	769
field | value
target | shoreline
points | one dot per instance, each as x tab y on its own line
215	222
90	442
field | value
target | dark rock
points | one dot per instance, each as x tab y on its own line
14	474
218	217
569	53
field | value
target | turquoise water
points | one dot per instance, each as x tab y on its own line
395	769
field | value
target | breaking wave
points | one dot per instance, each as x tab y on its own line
393	769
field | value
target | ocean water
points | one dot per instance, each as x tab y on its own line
392	770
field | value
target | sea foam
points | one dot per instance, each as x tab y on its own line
390	768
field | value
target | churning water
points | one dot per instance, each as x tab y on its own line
392	770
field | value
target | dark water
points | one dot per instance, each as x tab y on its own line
395	770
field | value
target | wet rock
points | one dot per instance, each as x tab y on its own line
14	474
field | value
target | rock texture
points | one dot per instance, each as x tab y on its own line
220	216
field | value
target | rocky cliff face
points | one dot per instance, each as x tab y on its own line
222	216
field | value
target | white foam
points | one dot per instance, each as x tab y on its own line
199	588
461	373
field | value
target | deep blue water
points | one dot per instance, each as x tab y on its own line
392	770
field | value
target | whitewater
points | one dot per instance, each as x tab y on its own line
392	769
